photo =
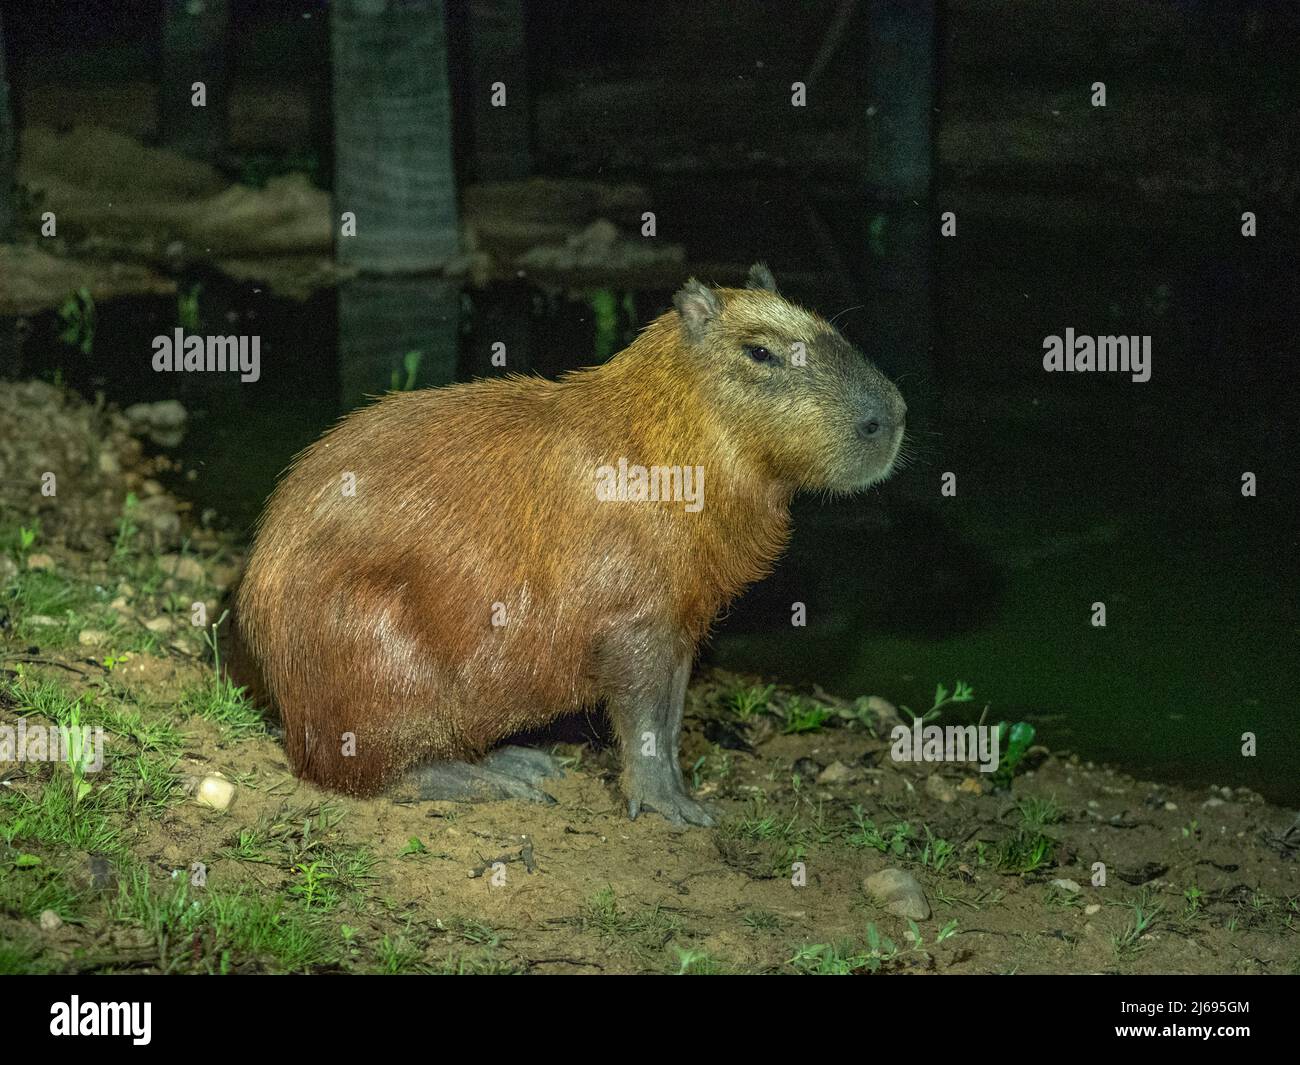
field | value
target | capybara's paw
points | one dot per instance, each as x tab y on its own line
678	807
466	782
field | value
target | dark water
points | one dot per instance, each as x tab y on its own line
1072	489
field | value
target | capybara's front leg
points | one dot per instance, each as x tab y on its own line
647	715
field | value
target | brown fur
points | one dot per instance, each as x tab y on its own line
372	614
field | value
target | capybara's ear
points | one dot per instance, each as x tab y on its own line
699	307
760	277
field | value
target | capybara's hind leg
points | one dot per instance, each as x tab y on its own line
506	773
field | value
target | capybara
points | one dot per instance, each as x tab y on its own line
450	566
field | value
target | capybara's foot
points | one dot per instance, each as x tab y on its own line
669	800
506	773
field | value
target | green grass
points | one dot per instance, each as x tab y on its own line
1024	851
639	932
801	715
1128	941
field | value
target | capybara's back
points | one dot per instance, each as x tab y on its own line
443	568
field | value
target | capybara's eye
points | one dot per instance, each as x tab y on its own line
758	354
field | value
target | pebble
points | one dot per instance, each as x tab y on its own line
1068	886
92	637
836	773
938	788
1091	908
50	921
215	792
159	624
885	711
182	567
899	893
40	561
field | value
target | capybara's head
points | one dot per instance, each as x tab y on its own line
821	416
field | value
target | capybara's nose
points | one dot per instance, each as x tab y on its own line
874	421
878	417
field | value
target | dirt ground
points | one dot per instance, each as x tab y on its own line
125	870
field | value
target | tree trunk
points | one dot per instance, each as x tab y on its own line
392	135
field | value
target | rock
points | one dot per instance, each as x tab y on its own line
1171	806
8	568
40	561
163	422
92	637
885	711
50	921
158	513
971	786
899	893
215	792
182	567
836	773
120	605
1092	908
1212	802
108	463
150	487
938	788
159	624
1067	886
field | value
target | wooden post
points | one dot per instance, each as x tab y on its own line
392	135
381	319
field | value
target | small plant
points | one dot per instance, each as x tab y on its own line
1036	812
803	715
314	886
220	699
79	754
748	702
827	959
187	309
1013	741
413	848
961	693
1128	940
936	852
411	364
1023	851
695	963
78	317
127	530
